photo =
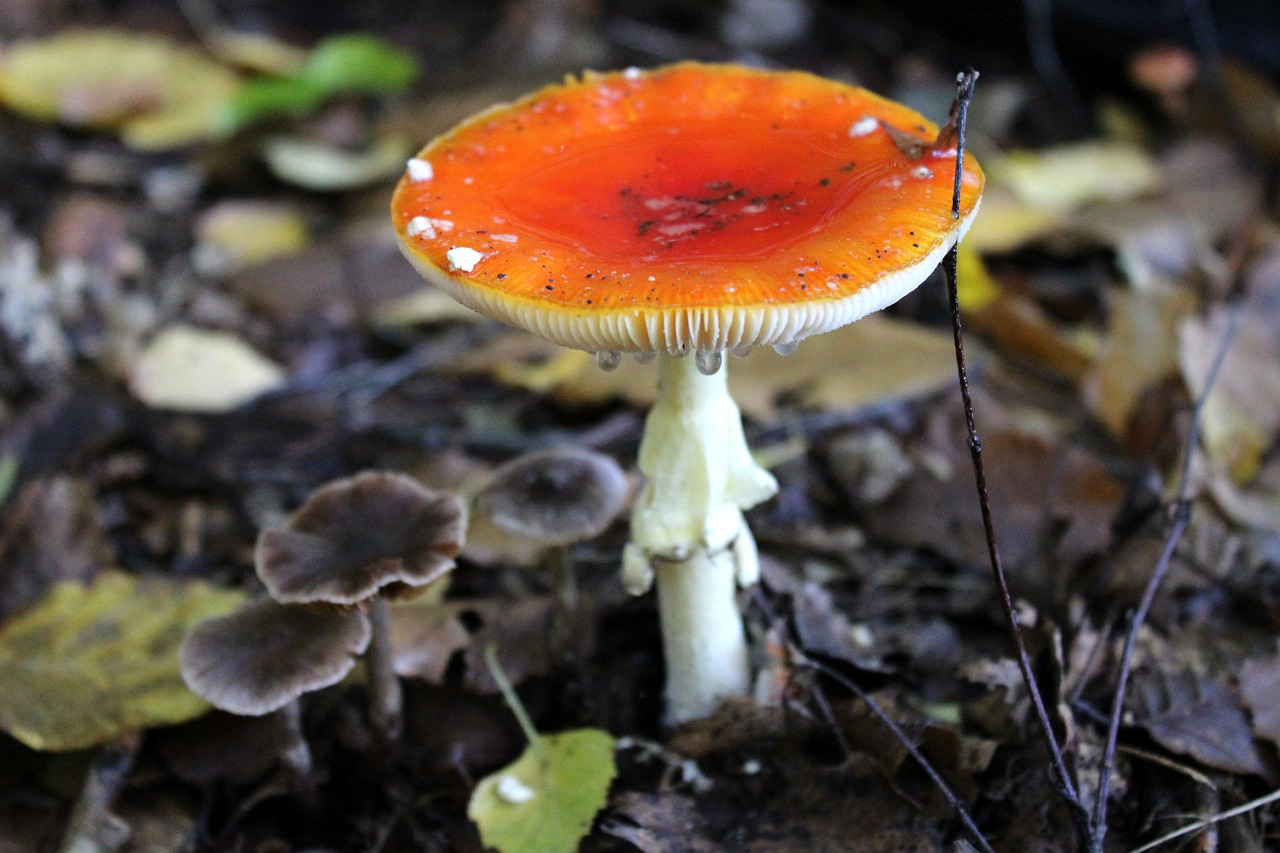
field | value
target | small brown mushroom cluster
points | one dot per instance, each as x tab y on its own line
329	571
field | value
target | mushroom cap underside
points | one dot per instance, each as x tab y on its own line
691	206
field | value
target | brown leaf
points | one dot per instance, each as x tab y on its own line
425	635
1139	351
1241	416
1192	715
663	822
1051	497
1260	688
50	533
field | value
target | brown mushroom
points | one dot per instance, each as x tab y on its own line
358	541
557	497
263	656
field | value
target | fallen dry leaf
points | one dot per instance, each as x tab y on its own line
195	370
1070	176
881	358
88	664
238	232
49	533
1039	487
326	168
1007	222
1137	352
425	634
1021	329
1241	416
159	94
1260	689
1192	714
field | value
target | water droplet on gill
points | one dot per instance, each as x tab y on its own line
786	349
709	361
741	352
608	359
645	357
681	352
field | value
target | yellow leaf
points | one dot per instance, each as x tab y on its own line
1241	416
255	51
1071	176
1138	351
1007	223
194	370
880	358
237	233
424	305
87	664
156	93
975	287
545	801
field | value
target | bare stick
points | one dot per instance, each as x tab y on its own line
1181	516
801	659
959	112
1209	821
92	825
1048	62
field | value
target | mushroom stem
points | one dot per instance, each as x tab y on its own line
702	634
296	754
385	698
688	523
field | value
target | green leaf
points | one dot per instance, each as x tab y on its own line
87	664
270	97
358	62
546	800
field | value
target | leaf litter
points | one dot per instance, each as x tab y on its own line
1096	302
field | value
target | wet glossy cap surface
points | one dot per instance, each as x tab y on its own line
691	206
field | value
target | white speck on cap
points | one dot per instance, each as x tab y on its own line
680	229
505	238
420	170
420	225
462	258
512	790
442	224
864	125
631	73
921	172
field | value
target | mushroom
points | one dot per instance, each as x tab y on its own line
358	541
557	497
679	213
263	656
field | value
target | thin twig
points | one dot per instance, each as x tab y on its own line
1207	822
1181	515
964	92
1048	62
801	659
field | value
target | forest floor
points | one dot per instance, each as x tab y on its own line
1126	264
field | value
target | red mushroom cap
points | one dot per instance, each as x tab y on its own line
691	206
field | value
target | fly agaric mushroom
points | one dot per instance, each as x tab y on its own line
358	541
687	209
